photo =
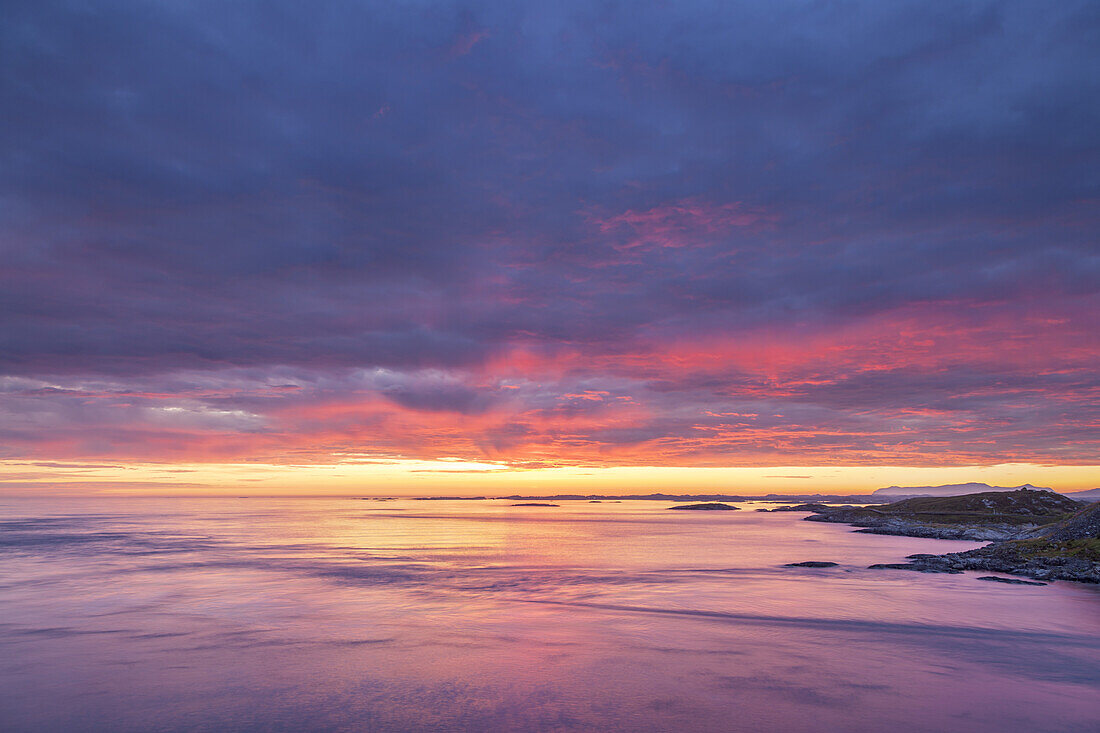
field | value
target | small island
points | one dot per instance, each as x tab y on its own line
534	503
816	506
707	506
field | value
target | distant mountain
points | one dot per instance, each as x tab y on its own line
801	498
949	489
1090	495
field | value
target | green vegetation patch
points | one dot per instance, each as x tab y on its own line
1087	549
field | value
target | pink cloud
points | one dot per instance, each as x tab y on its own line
685	223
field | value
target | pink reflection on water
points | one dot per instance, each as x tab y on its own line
343	614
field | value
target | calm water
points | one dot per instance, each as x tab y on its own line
339	614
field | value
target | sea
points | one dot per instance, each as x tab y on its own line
345	614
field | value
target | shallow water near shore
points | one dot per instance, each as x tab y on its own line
343	614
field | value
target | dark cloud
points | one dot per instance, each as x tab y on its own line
221	193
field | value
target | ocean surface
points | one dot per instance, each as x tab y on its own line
342	614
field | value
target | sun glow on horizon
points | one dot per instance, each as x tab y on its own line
405	477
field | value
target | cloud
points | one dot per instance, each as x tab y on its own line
242	232
679	224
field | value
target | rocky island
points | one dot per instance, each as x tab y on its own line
708	506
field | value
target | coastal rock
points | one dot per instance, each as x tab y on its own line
989	516
916	567
1083	525
813	507
1010	581
534	503
811	564
708	506
901	527
1066	550
1031	558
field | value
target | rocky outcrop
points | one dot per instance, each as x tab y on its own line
1031	558
708	506
813	507
1067	550
1082	525
1010	581
988	516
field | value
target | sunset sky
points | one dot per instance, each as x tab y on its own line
424	247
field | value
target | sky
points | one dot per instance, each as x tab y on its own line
409	247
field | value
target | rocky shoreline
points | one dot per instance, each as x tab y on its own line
878	523
1036	559
988	516
1029	535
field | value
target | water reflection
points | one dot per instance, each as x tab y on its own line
336	614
